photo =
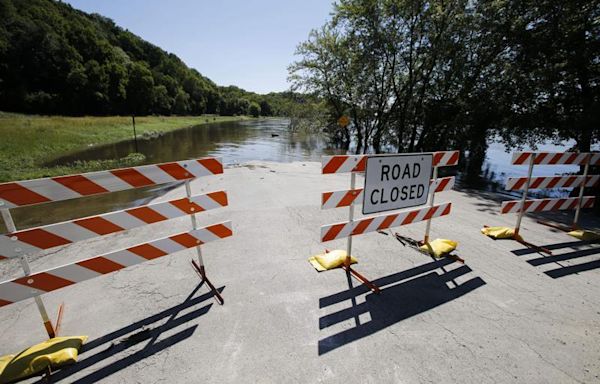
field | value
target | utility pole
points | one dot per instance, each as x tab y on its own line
134	134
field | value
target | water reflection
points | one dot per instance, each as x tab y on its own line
234	142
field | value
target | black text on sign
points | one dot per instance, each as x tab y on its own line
395	182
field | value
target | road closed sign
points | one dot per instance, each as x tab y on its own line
396	181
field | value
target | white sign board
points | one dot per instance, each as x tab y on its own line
396	181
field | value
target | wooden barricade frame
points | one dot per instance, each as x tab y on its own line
21	243
530	182
354	164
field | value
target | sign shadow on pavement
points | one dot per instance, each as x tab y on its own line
399	300
145	330
579	249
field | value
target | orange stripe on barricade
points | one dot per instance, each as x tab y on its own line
212	164
186	240
41	238
43	281
80	184
220	197
98	225
176	171
132	177
147	251
146	214
387	222
335	164
101	265
187	206
220	230
19	195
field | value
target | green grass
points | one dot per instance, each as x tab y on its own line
28	141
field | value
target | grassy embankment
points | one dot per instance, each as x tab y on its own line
27	142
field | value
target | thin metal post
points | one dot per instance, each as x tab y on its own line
10	226
529	173
199	267
431	201
134	134
350	219
581	190
188	191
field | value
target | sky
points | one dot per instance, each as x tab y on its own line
247	43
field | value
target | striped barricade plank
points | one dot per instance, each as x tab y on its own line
54	235
553	158
337	199
357	163
29	192
38	283
371	224
539	205
518	183
445	158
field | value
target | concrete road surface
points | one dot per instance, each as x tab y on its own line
508	315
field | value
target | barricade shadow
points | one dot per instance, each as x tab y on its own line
145	332
398	300
579	249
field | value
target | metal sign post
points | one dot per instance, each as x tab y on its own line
431	202
50	329
347	263
199	267
581	190
524	198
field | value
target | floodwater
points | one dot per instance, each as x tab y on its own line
234	142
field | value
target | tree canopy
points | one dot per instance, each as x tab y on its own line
420	75
55	59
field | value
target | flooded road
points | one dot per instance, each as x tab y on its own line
235	143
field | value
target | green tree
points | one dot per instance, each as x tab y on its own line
140	89
254	109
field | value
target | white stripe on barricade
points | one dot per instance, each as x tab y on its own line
546	182
371	224
38	283
338	199
539	205
54	235
30	192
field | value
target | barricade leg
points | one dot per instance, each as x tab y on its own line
51	330
199	266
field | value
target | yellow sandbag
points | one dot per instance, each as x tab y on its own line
330	260
500	232
439	247
53	353
585	235
4	360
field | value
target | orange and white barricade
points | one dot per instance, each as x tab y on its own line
529	182
20	244
354	164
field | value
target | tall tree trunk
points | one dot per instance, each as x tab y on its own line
477	147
